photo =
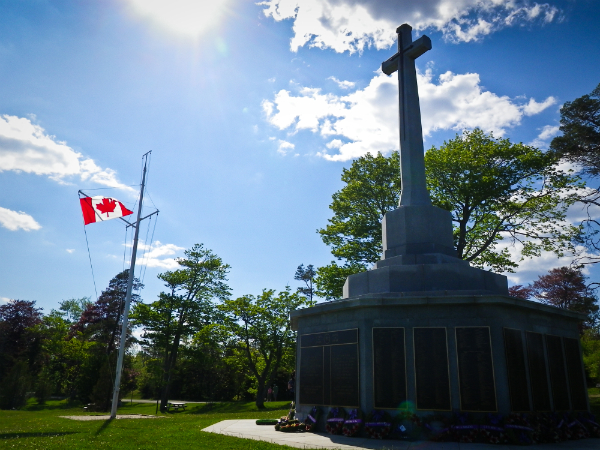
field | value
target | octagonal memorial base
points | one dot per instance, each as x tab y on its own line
461	353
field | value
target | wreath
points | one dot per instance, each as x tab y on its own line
352	423
310	423
406	425
576	429
590	423
335	420
378	425
436	427
518	429
492	431
463	430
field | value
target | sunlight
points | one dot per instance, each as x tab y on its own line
187	17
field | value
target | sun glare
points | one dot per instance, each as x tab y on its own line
187	17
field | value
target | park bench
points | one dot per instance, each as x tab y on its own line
176	406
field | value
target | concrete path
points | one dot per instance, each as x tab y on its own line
248	429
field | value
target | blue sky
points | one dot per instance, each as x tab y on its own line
251	111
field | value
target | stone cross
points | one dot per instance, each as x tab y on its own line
412	162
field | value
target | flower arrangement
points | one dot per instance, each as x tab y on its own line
335	420
406	425
352	423
310	423
437	427
378	425
590	423
493	430
518	429
464	430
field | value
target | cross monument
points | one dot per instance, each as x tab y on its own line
412	162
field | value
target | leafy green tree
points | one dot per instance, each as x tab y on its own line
72	309
580	144
580	124
184	309
261	328
497	192
372	188
500	191
307	275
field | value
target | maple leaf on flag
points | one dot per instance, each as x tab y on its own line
108	205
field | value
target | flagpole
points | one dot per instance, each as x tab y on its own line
115	400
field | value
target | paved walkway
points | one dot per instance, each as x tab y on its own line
248	429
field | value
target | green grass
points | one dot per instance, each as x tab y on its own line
40	427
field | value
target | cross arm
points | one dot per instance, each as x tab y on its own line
413	51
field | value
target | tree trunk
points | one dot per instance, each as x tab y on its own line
260	394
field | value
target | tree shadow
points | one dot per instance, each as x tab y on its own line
104	426
33	435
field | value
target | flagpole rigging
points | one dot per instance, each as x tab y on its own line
115	400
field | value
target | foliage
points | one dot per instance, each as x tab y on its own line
500	191
184	310
590	344
580	124
72	309
307	275
565	287
331	278
261	329
580	144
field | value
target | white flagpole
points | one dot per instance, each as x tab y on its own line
115	400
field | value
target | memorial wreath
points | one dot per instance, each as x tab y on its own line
352	423
310	423
378	425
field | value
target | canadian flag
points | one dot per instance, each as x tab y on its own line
98	209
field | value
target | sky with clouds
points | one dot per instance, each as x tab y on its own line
251	110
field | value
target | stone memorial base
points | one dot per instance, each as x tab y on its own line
438	353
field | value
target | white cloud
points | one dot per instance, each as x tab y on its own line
70	250
285	147
352	25
532	108
342	84
366	120
547	133
4	299
14	220
154	255
25	147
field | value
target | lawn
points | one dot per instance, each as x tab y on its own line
40	427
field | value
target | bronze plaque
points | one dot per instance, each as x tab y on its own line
475	369
577	385
344	375
517	370
311	370
558	375
389	367
538	375
329	368
431	369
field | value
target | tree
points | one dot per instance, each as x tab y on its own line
184	309
99	326
72	309
500	191
19	348
565	287
261	326
580	124
580	144
496	191
307	275
372	188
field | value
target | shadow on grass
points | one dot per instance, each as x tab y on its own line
104	426
50	407
35	435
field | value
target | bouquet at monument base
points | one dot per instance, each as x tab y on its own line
335	420
353	423
378	425
464	430
492	431
310	423
289	423
518	429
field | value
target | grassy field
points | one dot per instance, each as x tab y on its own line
40	427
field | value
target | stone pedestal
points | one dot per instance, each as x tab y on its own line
470	353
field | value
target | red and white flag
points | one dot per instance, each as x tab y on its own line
98	209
